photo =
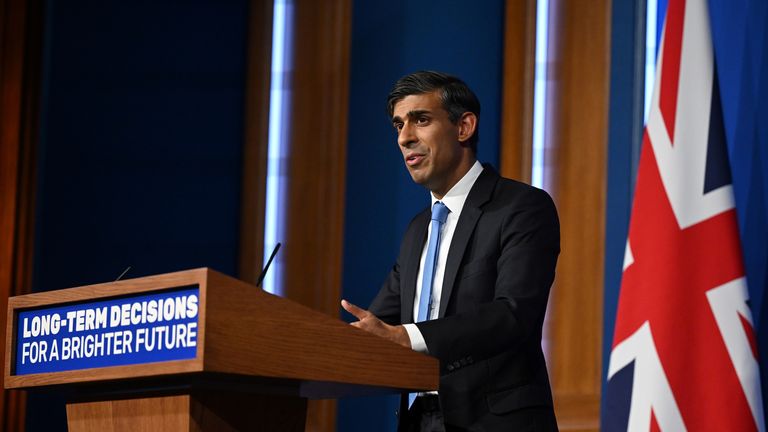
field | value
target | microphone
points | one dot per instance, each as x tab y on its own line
123	273
266	267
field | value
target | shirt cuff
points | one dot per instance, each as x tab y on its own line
418	343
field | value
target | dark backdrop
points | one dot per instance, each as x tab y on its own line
139	158
389	40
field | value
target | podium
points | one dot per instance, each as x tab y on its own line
195	350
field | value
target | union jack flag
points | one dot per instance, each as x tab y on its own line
684	351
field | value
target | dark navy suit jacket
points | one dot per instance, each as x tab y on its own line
500	266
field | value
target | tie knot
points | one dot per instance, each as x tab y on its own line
440	212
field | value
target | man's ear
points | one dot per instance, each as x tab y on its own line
467	124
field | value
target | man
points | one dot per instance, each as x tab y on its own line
471	282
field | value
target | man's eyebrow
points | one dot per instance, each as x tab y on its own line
411	114
417	113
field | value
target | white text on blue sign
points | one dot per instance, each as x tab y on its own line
139	329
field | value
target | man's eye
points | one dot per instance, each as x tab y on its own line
422	120
397	126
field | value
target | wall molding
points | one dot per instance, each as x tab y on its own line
21	33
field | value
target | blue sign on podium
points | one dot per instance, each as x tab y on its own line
145	328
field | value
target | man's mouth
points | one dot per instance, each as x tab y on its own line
414	159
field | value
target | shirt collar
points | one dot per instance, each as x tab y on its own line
455	197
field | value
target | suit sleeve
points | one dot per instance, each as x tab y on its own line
386	304
527	250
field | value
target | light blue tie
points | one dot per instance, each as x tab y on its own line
439	214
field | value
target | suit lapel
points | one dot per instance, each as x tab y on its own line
479	194
410	267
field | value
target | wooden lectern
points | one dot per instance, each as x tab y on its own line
256	361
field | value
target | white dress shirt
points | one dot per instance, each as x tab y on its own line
454	200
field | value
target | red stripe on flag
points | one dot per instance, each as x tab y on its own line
750	332
670	72
654	423
666	285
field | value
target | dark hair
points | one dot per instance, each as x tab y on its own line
456	96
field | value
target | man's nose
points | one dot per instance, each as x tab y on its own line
407	136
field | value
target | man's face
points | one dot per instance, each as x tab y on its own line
430	142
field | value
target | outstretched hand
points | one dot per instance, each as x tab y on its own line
370	323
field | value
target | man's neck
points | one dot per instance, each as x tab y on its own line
461	173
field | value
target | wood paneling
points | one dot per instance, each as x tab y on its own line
20	53
201	411
317	162
576	143
517	97
317	166
169	413
574	173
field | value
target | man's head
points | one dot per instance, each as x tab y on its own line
456	97
436	118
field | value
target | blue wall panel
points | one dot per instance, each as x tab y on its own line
624	137
740	42
139	159
389	40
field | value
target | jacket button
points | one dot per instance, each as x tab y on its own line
456	364
449	367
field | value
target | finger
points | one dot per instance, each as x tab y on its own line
359	313
351	308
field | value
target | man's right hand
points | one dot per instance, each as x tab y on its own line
370	323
